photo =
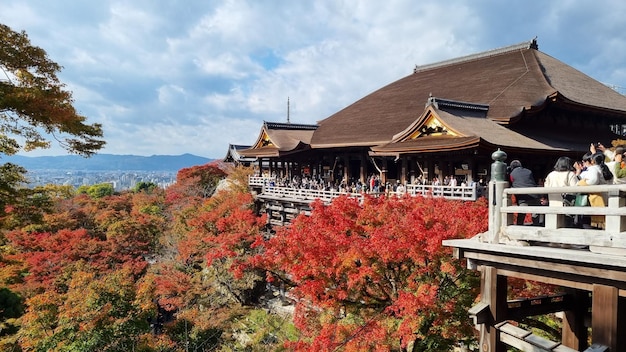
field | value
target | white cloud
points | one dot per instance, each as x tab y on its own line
169	77
171	95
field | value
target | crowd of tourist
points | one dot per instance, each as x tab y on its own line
599	166
373	184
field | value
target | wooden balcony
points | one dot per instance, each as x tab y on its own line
586	262
283	204
608	237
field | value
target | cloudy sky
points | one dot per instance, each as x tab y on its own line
173	77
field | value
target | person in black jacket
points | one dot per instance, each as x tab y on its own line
522	177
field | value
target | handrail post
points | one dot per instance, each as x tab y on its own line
496	187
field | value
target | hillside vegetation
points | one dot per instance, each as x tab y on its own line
190	268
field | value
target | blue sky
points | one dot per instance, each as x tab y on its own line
174	77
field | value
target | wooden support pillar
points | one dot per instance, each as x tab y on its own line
404	170
346	169
427	168
604	313
363	170
383	176
493	290
621	321
574	333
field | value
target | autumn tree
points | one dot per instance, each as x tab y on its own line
201	180
376	274
78	271
34	108
32	99
206	286
98	311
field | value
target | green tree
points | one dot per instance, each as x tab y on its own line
97	191
143	186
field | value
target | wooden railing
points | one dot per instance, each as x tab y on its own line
449	192
469	193
260	181
608	237
307	195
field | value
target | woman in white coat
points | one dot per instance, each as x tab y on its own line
562	175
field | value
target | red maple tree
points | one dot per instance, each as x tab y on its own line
376	274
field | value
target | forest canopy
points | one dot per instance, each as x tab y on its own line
181	269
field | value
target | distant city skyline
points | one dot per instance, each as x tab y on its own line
108	162
169	78
121	180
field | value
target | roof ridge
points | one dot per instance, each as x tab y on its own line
441	102
532	44
289	126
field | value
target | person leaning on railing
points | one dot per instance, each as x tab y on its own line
596	173
521	177
563	174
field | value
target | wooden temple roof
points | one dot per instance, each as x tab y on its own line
511	81
484	99
277	139
233	155
449	125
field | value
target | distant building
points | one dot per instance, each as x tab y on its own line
233	156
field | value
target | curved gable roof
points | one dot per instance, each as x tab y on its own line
279	138
461	127
510	81
577	87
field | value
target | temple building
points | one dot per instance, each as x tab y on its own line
447	118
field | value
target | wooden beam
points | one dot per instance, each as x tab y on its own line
604	316
522	308
574	331
493	290
550	268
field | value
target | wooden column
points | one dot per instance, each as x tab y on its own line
429	168
621	321
363	170
493	290
346	169
574	333
383	176
404	170
604	313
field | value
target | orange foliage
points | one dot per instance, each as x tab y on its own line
377	271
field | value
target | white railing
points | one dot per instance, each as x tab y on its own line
468	193
608	237
449	192
260	181
472	192
301	194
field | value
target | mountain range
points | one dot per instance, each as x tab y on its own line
107	162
